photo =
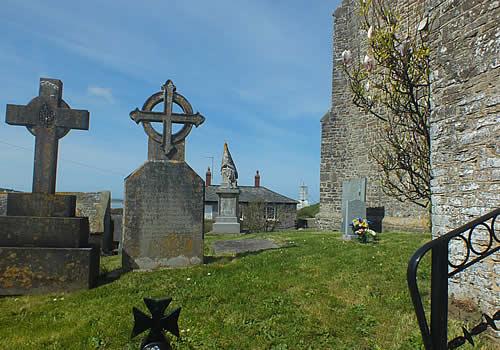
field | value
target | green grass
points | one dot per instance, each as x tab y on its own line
308	212
318	292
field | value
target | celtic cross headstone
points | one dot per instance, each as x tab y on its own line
49	118
40	236
163	208
167	145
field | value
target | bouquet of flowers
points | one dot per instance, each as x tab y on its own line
361	228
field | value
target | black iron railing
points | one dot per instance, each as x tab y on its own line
435	337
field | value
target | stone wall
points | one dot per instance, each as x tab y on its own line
348	135
465	129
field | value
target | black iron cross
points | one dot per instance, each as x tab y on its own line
167	117
156	324
48	118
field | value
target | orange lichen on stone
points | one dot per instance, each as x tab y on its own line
20	276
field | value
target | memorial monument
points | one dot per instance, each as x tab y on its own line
163	208
43	247
228	193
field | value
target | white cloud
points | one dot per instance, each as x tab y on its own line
102	92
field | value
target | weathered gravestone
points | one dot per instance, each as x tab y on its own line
43	247
228	192
163	208
353	209
96	206
353	189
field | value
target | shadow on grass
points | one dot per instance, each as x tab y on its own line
107	277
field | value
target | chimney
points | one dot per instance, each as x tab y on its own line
257	179
208	178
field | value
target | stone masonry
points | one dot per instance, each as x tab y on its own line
465	131
347	135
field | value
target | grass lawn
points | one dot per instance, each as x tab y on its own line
318	292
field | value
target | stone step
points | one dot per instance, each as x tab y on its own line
27	270
40	204
54	232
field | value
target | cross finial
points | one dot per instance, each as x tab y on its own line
168	86
167	145
48	118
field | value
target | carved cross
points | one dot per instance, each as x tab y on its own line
167	140
48	118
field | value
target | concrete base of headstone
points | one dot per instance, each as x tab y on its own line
163	216
226	227
34	270
227	221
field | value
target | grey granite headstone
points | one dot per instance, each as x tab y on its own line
353	209
164	198
353	189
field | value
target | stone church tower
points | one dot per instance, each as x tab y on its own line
348	135
464	127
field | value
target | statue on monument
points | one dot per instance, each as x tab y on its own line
228	170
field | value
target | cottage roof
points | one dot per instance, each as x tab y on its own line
249	194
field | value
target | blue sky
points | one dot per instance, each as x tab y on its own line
259	71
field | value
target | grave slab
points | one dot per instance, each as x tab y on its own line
239	246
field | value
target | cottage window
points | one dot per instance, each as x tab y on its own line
270	212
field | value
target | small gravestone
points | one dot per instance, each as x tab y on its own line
163	208
353	189
228	192
44	248
353	209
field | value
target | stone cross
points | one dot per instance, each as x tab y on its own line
48	117
165	145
